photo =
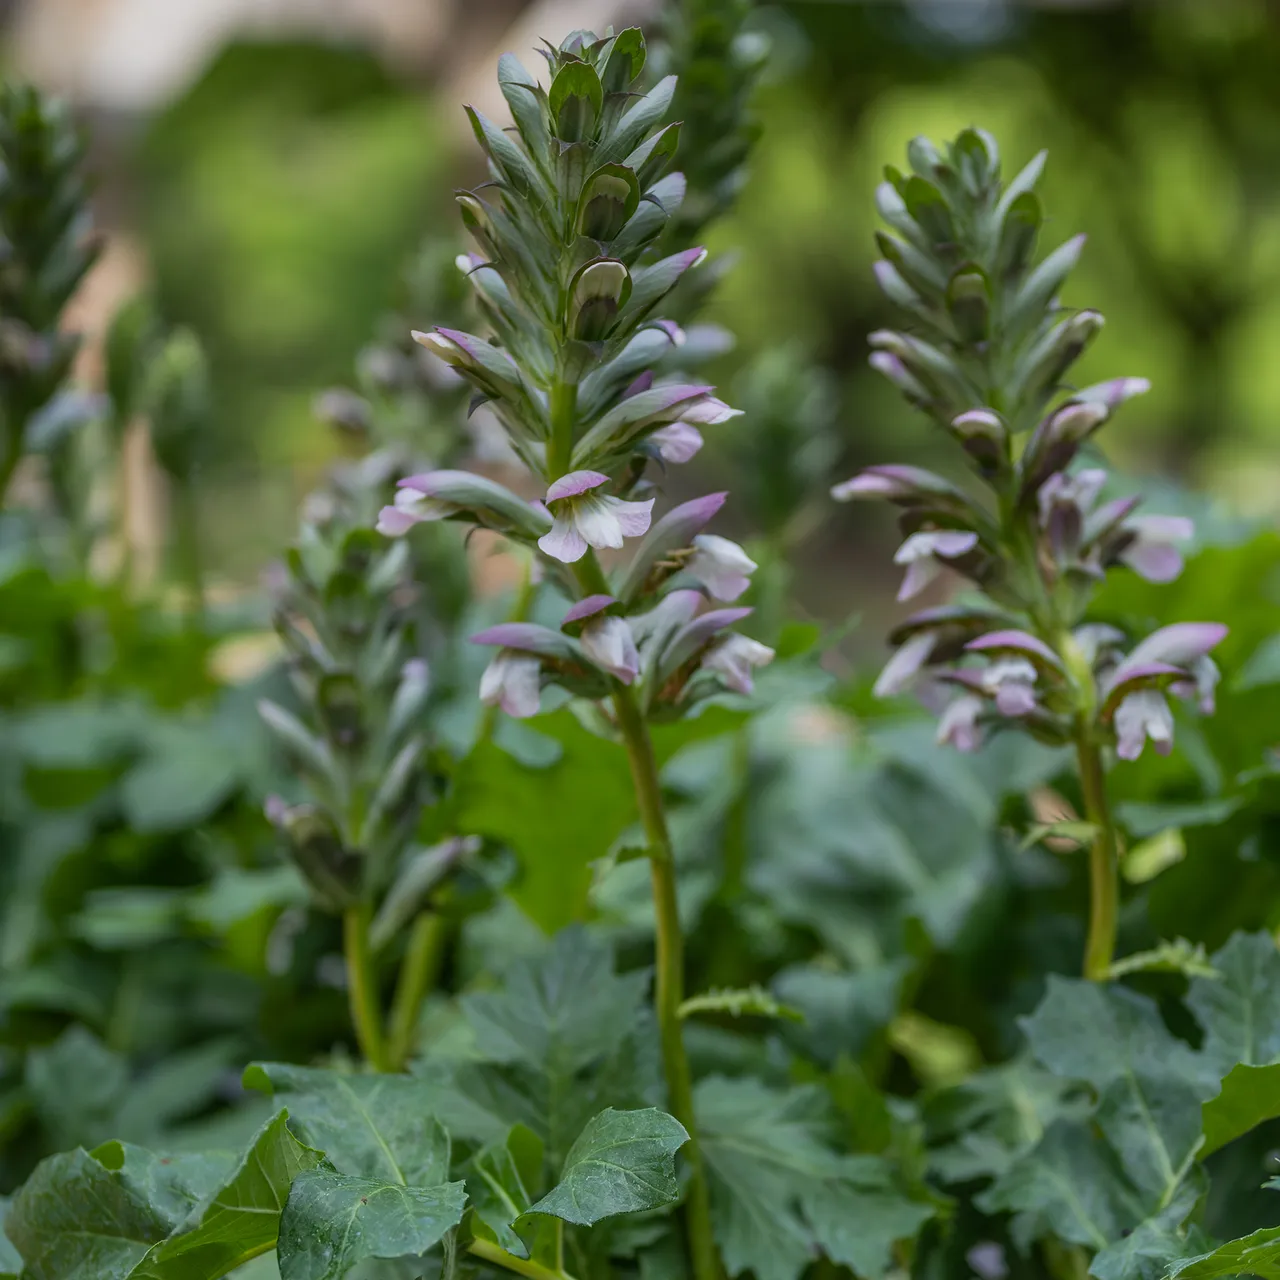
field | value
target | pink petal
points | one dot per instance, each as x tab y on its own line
575	483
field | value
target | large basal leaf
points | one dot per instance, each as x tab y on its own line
369	1126
1069	1186
563	1038
622	1162
1149	1084
333	1221
1240	1010
779	1193
1255	1255
979	1127
96	1215
241	1218
1240	1014
1249	1095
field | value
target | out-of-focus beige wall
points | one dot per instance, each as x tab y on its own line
131	56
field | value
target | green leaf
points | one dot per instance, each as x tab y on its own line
332	1222
241	1218
1255	1255
622	1162
1149	1084
980	1126
10	1259
187	774
778	1192
1249	1096
558	820
1070	1187
499	1178
1262	667
369	1126
95	1215
1240	1011
563	1038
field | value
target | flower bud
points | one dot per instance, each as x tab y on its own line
598	292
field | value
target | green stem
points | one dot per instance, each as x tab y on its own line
499	1257
669	991
1104	885
418	973
190	557
564	414
362	991
9	459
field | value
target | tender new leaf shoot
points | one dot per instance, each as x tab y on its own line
501	1180
752	1001
1179	956
622	1162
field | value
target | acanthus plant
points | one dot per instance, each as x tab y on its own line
987	355
564	280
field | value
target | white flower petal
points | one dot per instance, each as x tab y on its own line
564	542
632	517
608	642
722	566
597	522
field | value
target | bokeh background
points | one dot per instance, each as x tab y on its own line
269	170
277	175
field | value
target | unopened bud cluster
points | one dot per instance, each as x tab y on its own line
344	609
568	282
988	357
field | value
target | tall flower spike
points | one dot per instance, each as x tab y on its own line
987	357
568	280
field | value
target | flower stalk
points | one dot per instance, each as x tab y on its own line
1104	864
669	976
362	988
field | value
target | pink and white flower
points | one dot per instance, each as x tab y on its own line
513	681
924	553
735	658
721	565
584	518
607	641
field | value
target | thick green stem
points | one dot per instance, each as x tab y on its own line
362	991
564	413
1104	880
670	976
499	1257
418	973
